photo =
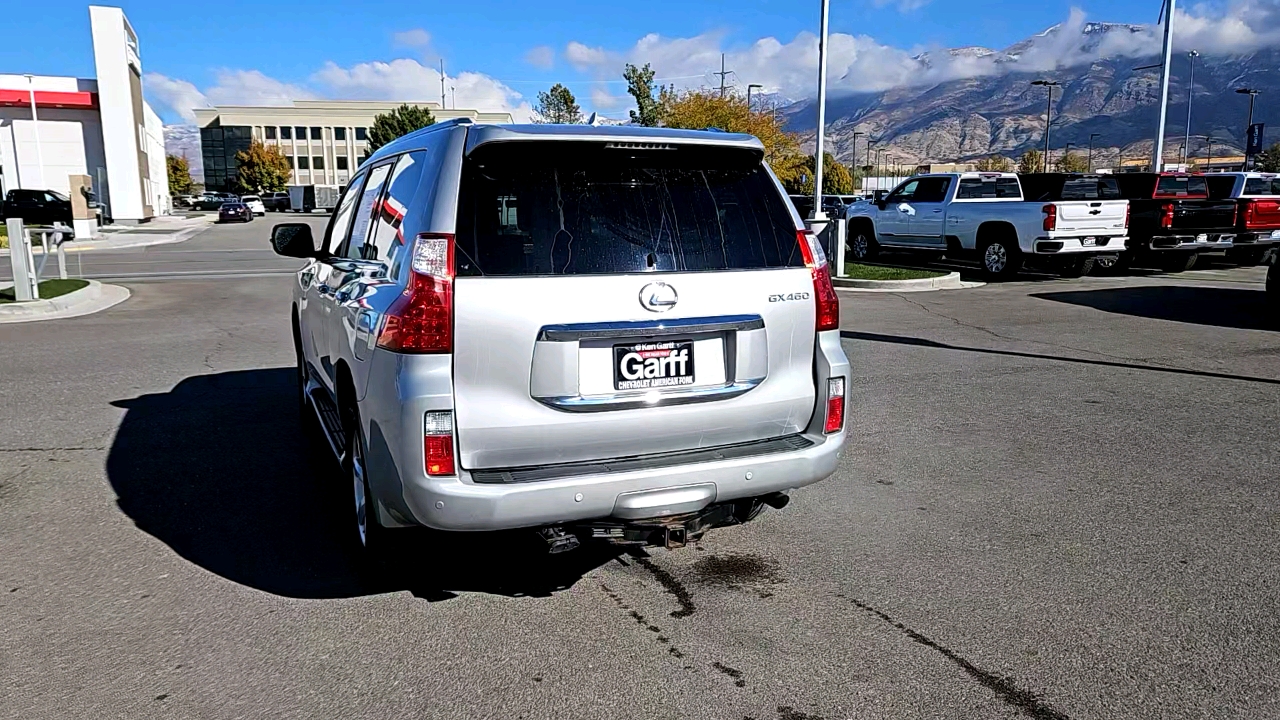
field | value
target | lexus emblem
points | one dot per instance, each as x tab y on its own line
658	297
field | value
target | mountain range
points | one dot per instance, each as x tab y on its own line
996	109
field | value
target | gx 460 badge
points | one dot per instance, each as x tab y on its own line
789	297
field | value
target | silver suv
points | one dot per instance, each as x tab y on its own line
593	332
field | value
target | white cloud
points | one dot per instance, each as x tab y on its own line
602	99
415	38
406	79
583	57
904	6
252	87
542	57
177	95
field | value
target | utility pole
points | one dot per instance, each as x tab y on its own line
1243	91
819	217
35	126
1209	160
855	155
1191	88
442	103
1091	137
1157	149
723	74
752	85
1048	115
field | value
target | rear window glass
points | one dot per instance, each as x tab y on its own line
1090	189
567	208
1181	186
994	189
1262	186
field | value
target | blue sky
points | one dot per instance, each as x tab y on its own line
231	50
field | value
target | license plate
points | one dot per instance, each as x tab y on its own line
1226	238
1275	234
1202	238
646	366
1089	241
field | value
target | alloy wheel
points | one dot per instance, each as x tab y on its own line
860	246
995	258
357	479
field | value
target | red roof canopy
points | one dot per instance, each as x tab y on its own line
48	98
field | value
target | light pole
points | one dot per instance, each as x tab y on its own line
752	85
819	217
1157	148
855	154
1209	160
35	127
1243	91
871	159
1066	151
1191	88
1091	137
1048	85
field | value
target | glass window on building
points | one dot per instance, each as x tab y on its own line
289	160
218	148
342	162
316	134
286	133
317	162
340	134
300	132
304	162
271	132
362	133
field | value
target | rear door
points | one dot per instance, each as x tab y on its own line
1091	207
614	301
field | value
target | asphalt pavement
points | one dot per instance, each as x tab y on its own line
1058	500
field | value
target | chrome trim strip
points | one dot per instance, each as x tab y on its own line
649	328
633	400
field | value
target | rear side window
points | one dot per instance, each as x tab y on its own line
996	189
932	189
1262	186
577	208
356	249
1181	186
1090	189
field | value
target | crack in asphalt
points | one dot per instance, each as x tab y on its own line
1005	688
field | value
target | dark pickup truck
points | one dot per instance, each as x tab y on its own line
1258	221
1172	221
36	207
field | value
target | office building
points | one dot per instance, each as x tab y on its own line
323	140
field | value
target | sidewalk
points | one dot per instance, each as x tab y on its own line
93	298
162	230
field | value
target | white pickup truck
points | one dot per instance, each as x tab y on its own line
985	215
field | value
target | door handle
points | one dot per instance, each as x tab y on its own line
324	289
938	210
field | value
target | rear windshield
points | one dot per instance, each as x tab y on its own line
1262	186
578	208
1090	189
1181	186
982	189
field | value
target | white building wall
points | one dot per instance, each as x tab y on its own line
115	59
158	168
70	144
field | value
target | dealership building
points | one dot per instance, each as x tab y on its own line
323	140
55	129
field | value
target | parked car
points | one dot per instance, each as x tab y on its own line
984	215
213	201
1257	197
276	201
235	212
832	205
36	207
255	204
1172	221
449	356
305	198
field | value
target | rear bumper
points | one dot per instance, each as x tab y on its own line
1259	238
1199	242
1103	245
457	503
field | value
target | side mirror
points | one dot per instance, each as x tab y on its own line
293	240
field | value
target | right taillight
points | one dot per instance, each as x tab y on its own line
1050	217
421	319
835	405
1166	215
827	303
1126	214
1250	213
437	443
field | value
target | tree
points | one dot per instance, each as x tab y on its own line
401	121
1072	163
836	179
261	169
1030	161
180	182
704	108
558	105
1268	160
640	85
995	163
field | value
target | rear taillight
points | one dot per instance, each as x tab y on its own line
1050	217
1166	215
437	443
828	305
421	319
1126	214
835	405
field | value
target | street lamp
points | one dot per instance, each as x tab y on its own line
820	217
871	157
1191	87
35	126
1243	91
752	85
1091	137
855	153
1049	85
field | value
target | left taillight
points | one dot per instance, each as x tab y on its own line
1050	217
421	319
835	405
437	443
826	301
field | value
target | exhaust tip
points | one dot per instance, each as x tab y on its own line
777	500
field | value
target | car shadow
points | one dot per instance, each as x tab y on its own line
1221	307
219	470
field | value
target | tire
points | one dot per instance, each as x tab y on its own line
368	537
1000	258
863	246
1077	267
1179	262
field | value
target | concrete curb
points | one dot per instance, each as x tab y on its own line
93	298
124	242
950	281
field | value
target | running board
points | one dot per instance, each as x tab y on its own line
330	420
